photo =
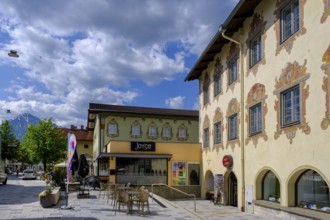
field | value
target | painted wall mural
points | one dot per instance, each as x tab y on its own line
257	94
326	88
292	75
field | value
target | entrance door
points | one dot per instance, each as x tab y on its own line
232	189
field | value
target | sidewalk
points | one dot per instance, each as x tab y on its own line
19	200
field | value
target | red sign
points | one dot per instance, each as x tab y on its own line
227	161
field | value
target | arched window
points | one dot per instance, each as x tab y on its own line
312	191
271	188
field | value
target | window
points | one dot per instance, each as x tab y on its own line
152	131
136	129
103	167
232	129
85	146
167	132
271	188
206	137
206	90
290	102
194	174
255	50
255	119
311	190
182	133
289	20
217	84
113	128
217	133
232	71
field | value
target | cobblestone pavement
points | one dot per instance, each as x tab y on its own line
19	200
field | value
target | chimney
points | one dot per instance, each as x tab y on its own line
82	127
72	127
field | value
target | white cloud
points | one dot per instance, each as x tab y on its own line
73	53
176	102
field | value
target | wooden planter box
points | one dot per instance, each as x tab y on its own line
51	199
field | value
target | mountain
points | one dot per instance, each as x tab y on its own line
20	124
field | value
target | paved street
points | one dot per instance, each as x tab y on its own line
19	200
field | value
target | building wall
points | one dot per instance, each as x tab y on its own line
125	122
303	58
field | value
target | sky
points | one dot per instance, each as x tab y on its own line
119	52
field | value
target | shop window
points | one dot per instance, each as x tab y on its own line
141	171
206	89
103	167
255	119
232	71
312	191
194	174
290	102
217	133
271	188
232	127
290	20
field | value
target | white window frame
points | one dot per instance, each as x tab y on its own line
136	129
218	133
232	71
152	131
167	132
291	106
233	127
113	128
255	119
182	132
293	23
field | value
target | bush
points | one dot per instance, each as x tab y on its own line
59	175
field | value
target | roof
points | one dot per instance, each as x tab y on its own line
95	108
81	134
243	10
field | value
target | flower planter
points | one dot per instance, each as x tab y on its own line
51	199
46	202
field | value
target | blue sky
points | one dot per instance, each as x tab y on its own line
127	52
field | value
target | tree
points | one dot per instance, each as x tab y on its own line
44	143
8	142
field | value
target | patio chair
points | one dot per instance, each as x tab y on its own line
143	200
103	188
121	198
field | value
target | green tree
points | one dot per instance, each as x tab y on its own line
8	141
44	143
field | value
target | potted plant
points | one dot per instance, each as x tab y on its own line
45	196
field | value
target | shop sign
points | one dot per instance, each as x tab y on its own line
227	161
143	146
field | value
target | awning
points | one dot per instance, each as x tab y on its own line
130	155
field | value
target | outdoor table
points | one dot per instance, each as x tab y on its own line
131	194
124	188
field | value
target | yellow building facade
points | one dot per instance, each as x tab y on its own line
265	107
145	146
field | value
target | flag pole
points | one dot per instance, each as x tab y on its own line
72	144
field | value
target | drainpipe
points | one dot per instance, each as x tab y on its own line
242	113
